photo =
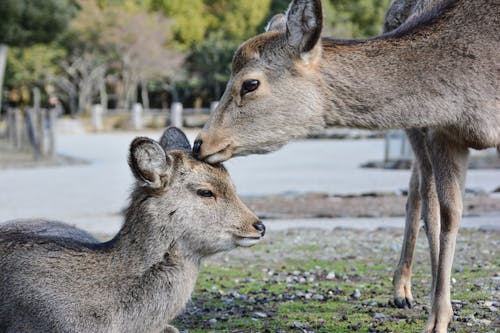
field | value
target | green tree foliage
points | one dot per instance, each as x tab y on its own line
345	18
237	20
32	65
24	22
211	61
355	18
190	19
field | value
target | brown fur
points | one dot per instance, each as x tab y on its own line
436	75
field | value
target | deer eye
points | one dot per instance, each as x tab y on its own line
249	86
205	193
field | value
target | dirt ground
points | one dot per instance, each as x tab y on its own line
317	205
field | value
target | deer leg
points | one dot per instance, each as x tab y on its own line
402	275
430	208
449	166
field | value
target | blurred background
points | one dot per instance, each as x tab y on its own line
155	52
80	78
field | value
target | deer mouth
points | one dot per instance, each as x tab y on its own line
247	241
220	156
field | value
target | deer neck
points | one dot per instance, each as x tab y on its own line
385	83
142	245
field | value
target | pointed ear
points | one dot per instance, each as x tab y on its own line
303	25
277	23
175	139
148	162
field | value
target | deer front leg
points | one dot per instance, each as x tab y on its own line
449	166
170	329
402	275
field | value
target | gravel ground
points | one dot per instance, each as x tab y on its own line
318	205
339	281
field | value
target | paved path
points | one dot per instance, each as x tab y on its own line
92	195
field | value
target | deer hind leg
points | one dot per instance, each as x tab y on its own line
422	204
402	275
449	166
430	208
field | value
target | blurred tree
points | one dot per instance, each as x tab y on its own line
121	38
32	66
355	18
26	22
210	60
190	19
345	18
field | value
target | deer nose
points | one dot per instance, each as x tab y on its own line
196	148
261	228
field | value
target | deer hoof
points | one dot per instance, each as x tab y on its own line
402	303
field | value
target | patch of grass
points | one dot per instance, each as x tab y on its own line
286	290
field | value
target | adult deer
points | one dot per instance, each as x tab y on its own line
57	278
437	74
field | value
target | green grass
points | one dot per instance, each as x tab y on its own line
233	288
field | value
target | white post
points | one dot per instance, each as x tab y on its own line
3	62
213	106
137	121
97	123
176	114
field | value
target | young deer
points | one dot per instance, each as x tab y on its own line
436	75
56	278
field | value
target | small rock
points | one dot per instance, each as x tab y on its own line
356	294
212	321
379	316
330	276
260	315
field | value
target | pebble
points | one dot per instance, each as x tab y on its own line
379	316
356	294
330	276
212	321
260	315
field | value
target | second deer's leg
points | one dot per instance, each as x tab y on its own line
430	204
402	275
449	166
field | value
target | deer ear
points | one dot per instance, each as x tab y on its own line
277	23
303	25
148	162
175	139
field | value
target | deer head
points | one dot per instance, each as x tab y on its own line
193	202
273	93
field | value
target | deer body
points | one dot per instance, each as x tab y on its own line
436	75
56	278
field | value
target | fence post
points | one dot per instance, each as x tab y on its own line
176	114
51	115
137	121
41	127
213	106
18	129
11	126
97	112
31	126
